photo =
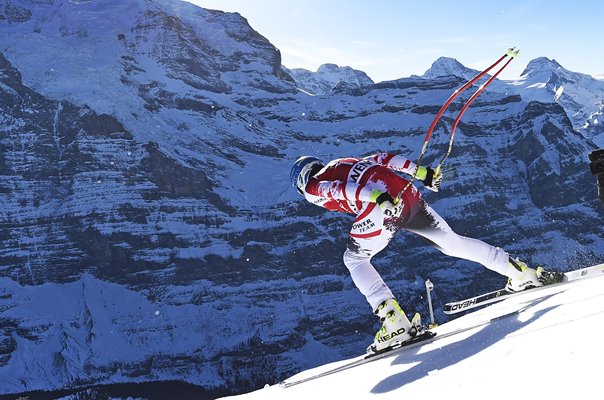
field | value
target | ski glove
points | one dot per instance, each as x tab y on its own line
390	207
430	179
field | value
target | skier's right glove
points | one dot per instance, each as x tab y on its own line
429	177
387	204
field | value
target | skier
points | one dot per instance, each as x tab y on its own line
365	187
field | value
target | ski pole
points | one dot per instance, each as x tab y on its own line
513	55
429	287
457	92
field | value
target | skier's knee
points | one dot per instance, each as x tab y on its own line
347	258
353	259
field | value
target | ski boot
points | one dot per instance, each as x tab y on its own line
527	278
396	327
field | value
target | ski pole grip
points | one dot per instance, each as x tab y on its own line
597	168
512	52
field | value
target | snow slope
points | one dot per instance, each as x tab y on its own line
540	344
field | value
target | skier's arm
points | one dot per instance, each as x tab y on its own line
351	191
394	162
339	190
404	165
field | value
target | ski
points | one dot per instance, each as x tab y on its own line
426	338
501	294
426	334
476	301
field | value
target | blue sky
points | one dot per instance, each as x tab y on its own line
391	39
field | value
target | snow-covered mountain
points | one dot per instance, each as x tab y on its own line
445	66
328	77
149	231
519	347
544	80
581	95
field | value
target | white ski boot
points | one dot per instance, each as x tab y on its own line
526	278
395	326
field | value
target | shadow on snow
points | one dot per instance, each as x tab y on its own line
451	354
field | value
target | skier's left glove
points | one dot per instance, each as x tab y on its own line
390	207
429	177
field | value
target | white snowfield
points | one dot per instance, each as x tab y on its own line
543	344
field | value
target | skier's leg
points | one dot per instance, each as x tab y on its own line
369	235
434	228
366	278
367	238
428	224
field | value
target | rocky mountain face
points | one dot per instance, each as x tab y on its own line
581	95
149	231
327	78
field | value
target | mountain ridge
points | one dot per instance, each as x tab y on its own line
327	77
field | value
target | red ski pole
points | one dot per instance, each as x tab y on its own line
512	53
465	107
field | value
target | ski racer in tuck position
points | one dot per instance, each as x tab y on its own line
365	187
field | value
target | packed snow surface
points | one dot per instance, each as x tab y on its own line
539	344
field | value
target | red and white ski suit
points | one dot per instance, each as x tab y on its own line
346	185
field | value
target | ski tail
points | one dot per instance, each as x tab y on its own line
425	337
